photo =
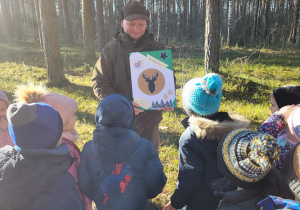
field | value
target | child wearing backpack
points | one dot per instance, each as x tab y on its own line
66	107
4	135
118	168
34	173
204	128
283	100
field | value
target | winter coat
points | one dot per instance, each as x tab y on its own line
119	169
112	73
198	159
233	198
75	153
37	179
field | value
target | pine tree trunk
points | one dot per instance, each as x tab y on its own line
100	25
229	22
295	22
67	23
212	36
88	30
52	54
7	20
38	20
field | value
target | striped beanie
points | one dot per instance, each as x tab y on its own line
246	156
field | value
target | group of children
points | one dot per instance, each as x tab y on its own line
222	163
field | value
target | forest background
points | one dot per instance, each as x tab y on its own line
258	50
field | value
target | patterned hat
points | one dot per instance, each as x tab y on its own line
3	96
246	156
294	123
291	169
34	126
203	95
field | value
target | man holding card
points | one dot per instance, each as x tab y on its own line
112	70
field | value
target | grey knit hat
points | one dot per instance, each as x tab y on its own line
291	169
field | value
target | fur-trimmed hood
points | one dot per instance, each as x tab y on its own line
210	129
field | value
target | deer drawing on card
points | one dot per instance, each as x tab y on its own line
151	84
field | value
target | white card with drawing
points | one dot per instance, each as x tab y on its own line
152	78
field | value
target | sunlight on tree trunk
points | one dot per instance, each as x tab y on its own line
212	36
88	30
52	54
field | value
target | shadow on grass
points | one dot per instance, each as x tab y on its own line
85	117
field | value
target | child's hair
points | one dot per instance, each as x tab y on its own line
3	97
291	169
246	156
32	93
202	96
287	95
34	126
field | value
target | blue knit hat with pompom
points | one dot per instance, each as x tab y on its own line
202	95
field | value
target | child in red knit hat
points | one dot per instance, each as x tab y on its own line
66	107
4	135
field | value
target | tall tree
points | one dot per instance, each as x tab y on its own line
52	54
100	25
229	23
88	30
7	20
212	36
67	23
38	18
295	21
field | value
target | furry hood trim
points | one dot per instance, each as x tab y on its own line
209	129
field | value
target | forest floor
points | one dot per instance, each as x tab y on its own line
246	89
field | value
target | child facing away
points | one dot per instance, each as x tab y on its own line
245	158
118	168
66	107
291	174
282	100
204	128
4	135
34	173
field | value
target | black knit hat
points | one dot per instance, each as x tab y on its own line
287	95
246	156
134	10
291	169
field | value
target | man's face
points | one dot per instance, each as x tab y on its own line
134	28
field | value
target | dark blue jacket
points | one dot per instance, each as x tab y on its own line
198	159
37	179
118	169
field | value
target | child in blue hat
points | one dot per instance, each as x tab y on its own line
118	168
34	173
204	128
